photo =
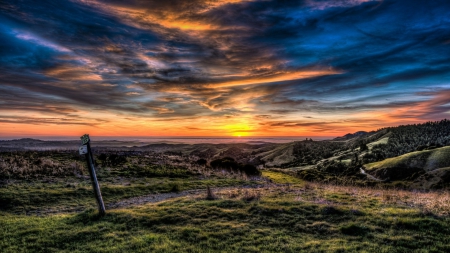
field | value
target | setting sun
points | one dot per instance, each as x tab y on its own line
238	129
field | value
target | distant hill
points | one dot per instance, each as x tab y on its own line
351	136
28	140
395	141
410	156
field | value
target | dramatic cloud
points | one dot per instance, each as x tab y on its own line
311	68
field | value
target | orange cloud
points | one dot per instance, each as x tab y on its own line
286	76
172	19
73	73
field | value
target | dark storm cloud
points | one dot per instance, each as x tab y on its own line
175	59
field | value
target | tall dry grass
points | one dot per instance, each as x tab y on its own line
27	167
428	202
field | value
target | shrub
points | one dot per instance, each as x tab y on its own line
226	163
201	162
229	164
251	170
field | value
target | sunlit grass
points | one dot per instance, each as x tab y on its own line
380	141
281	178
428	159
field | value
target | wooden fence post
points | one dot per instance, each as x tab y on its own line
85	149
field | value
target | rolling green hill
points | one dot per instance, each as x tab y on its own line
428	160
421	169
279	155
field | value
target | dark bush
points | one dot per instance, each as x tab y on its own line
229	164
201	162
251	170
226	163
116	160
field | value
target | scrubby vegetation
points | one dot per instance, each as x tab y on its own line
33	164
230	165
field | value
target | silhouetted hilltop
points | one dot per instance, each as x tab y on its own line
351	136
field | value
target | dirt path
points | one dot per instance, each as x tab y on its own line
159	197
151	198
141	200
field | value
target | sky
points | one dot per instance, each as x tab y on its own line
221	68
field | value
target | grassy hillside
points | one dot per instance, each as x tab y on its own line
383	140
395	141
428	160
421	169
279	155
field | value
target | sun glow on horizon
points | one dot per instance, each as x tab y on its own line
241	129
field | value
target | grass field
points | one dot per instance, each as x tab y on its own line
278	213
311	218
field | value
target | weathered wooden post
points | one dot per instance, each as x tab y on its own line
85	149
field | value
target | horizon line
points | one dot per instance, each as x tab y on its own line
160	137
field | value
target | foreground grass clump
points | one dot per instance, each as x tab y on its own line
286	218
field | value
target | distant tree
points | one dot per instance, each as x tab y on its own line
363	147
355	159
